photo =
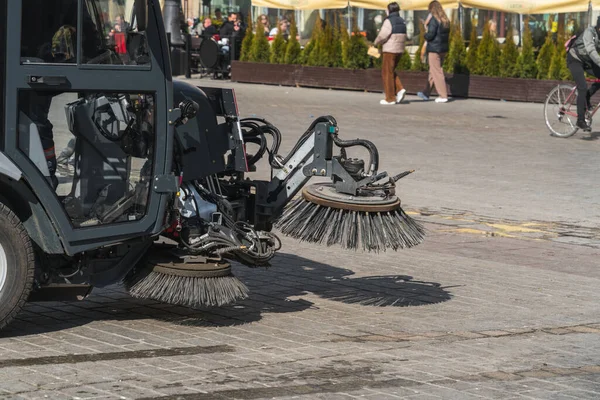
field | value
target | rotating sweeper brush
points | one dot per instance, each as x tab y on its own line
371	223
359	209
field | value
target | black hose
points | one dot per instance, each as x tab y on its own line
258	130
252	133
261	151
254	129
373	152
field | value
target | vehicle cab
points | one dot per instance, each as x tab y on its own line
85	138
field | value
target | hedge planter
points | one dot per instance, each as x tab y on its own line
473	86
299	75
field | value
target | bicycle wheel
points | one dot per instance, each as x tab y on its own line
560	110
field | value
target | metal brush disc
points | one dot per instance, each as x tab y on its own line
324	194
193	270
167	263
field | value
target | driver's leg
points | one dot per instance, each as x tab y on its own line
38	108
576	68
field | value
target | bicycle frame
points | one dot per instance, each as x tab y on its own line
568	102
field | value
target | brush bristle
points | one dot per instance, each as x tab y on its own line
187	291
354	230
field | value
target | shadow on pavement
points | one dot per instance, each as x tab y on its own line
591	137
271	291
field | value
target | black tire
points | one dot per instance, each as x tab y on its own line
17	265
560	124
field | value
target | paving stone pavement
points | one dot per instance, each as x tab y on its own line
499	302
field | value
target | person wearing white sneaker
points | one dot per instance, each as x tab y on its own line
400	96
393	38
437	37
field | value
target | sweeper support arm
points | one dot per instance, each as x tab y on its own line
313	156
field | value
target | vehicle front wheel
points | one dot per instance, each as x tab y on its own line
17	265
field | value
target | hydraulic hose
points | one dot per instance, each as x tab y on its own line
261	141
258	127
254	130
373	152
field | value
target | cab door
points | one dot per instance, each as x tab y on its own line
86	120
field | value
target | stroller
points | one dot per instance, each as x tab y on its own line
210	57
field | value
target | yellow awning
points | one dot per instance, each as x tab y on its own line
404	4
301	4
530	6
511	6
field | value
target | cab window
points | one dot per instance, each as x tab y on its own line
49	34
48	31
120	36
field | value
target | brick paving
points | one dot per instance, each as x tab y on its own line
500	301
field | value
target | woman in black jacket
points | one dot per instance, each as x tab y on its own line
437	37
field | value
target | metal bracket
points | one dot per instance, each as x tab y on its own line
322	152
165	184
174	115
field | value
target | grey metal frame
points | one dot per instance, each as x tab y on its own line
9	169
156	80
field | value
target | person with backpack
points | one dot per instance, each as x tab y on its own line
582	57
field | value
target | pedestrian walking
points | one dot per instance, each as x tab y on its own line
393	38
437	37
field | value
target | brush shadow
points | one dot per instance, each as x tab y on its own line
278	289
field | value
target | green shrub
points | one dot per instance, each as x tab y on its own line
344	40
455	61
325	58
358	57
293	49
312	51
418	64
247	42
471	60
526	65
336	56
260	50
558	66
508	59
545	57
488	54
377	63
303	59
278	49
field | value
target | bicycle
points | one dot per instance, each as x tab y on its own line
561	116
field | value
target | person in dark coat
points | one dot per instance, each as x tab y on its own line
208	29
584	56
438	38
233	30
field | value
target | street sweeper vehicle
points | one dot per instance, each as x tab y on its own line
150	183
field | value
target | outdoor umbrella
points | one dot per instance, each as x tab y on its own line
531	6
